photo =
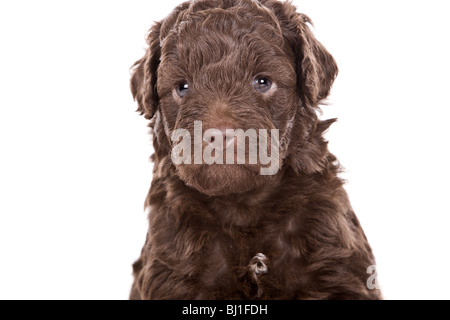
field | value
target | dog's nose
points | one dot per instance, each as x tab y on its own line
220	138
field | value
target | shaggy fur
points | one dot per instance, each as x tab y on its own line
225	231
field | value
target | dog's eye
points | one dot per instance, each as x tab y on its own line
262	84
182	89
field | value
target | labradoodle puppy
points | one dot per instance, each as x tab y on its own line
273	222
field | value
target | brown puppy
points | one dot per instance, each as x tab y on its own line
227	231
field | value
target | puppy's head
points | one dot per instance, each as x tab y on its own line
215	68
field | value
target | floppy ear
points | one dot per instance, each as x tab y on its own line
316	68
144	75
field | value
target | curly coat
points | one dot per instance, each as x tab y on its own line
226	232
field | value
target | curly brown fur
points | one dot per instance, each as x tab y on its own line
226	232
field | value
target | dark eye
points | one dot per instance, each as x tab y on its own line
262	84
182	89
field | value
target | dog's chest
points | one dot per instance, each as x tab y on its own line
247	265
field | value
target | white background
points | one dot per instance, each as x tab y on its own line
74	167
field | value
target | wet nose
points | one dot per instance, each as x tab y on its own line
220	138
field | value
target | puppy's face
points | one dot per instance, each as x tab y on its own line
225	72
232	66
